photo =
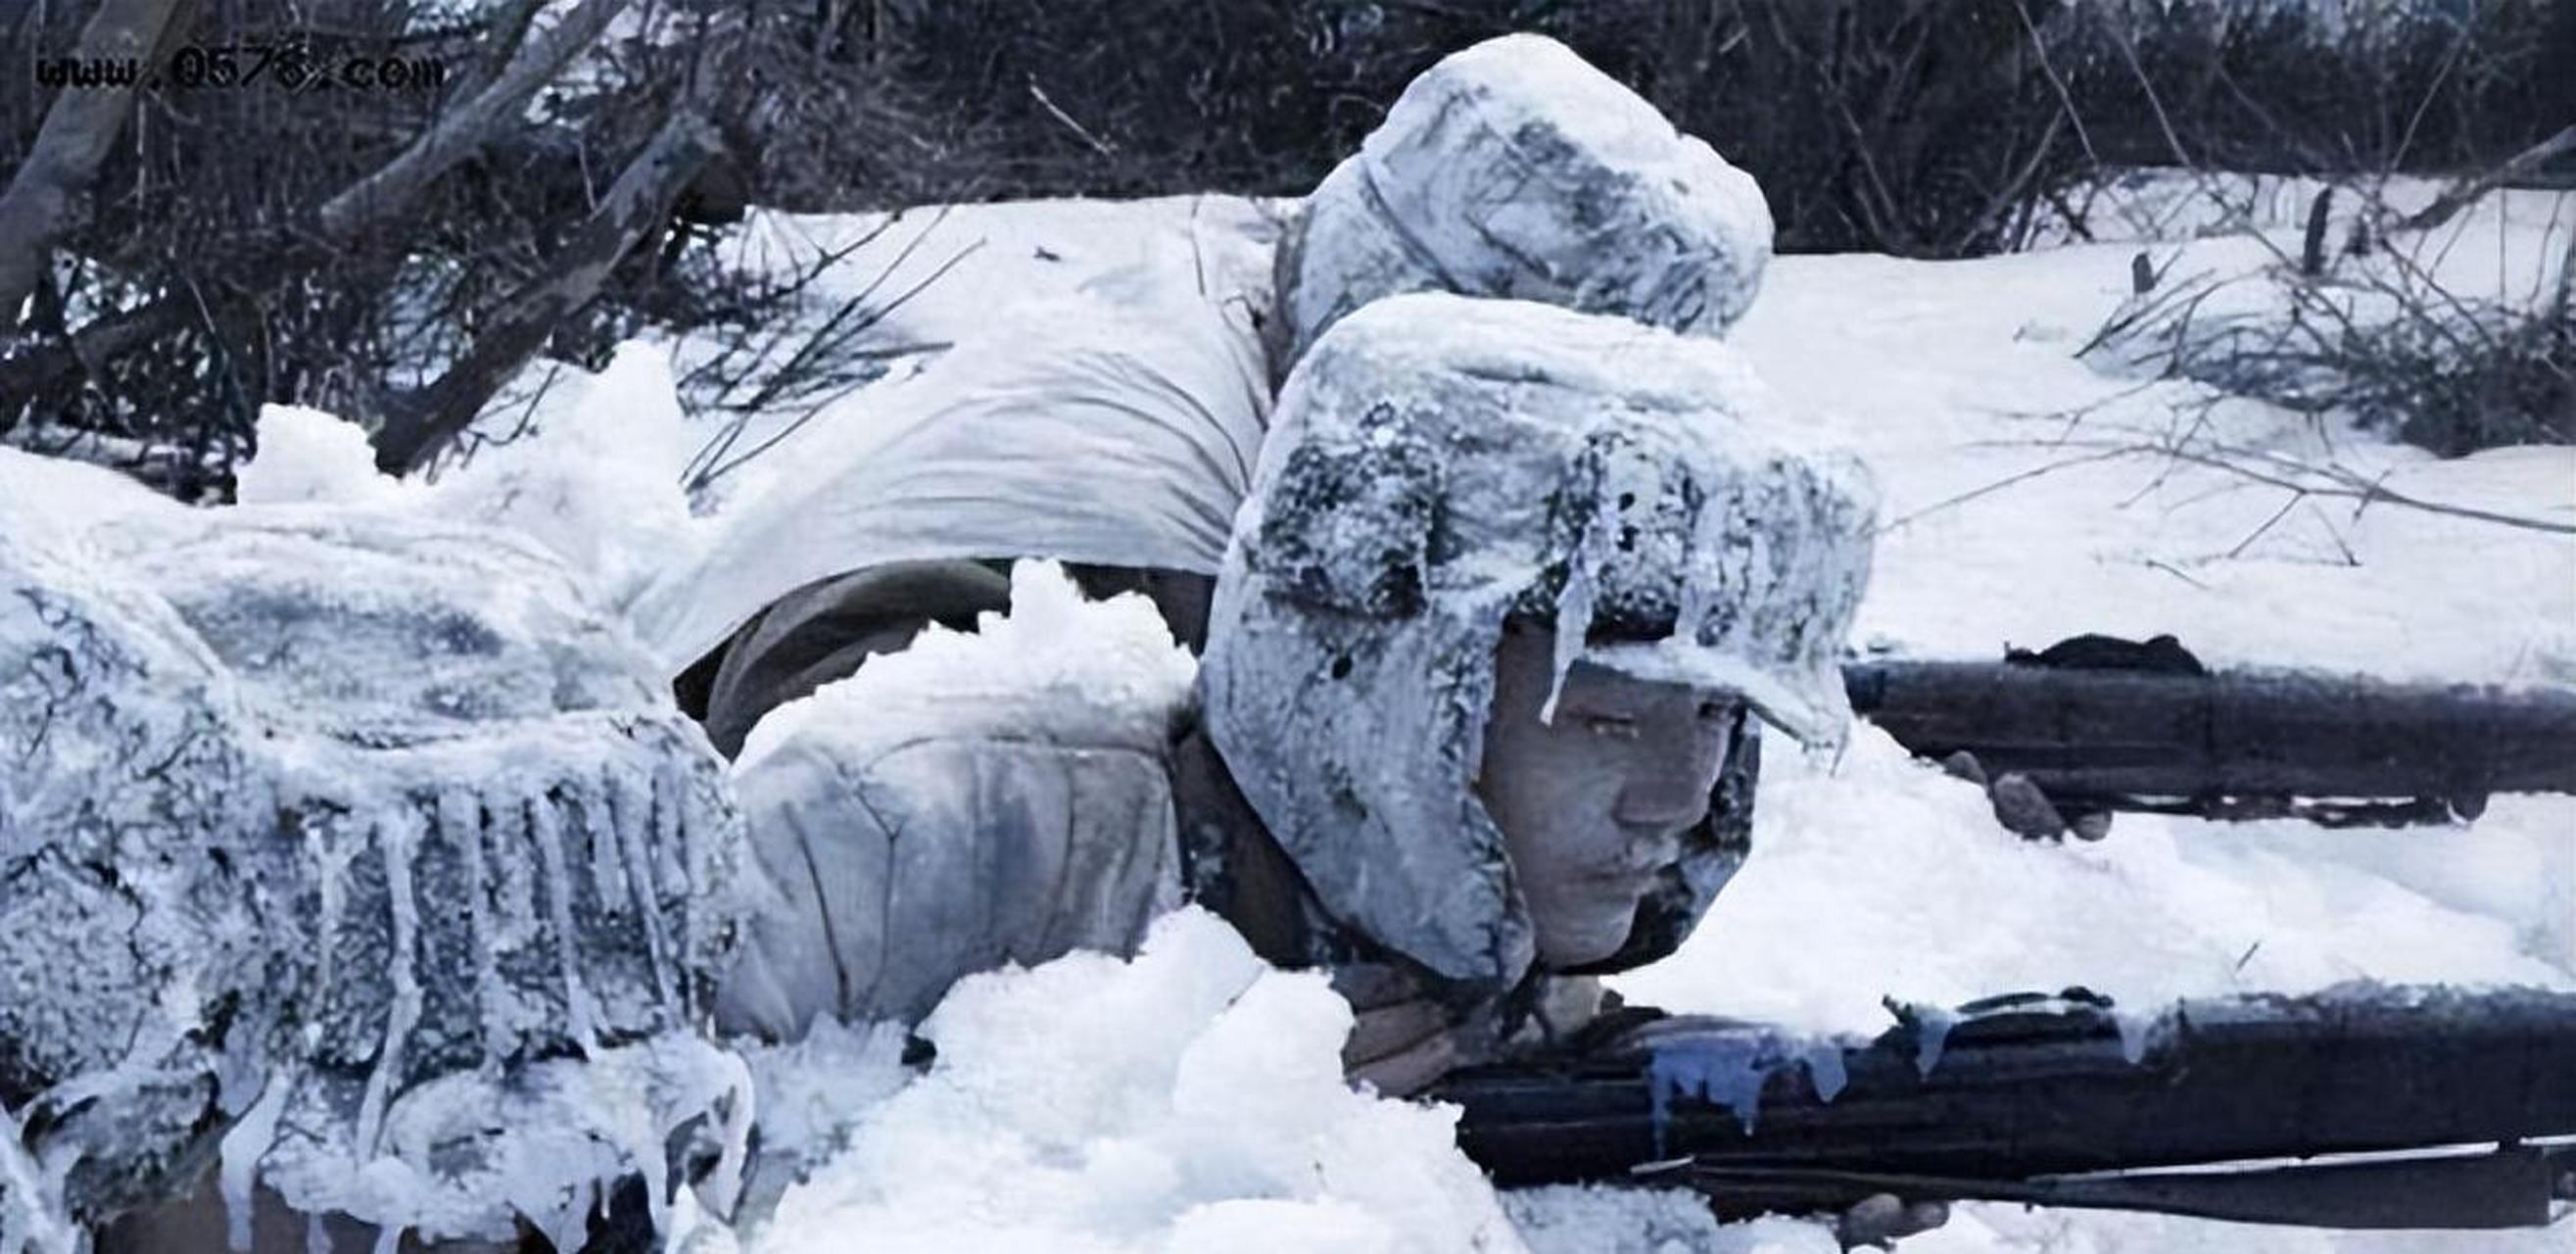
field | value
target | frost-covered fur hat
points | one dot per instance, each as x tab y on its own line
1514	169
1440	464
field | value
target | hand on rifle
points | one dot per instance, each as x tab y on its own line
1400	1039
2022	808
1879	1219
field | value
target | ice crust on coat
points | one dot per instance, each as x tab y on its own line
238	753
1514	169
976	799
1440	462
1084	428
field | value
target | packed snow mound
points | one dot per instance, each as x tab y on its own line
1079	428
1515	169
332	820
1097	673
308	455
598	483
1188	1099
1885	876
1600	1219
976	799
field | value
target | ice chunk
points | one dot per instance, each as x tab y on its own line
1728	1066
1932	1026
1724	1069
32	1217
243	1146
1825	1069
2137	1031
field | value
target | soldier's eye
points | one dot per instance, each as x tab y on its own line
1711	711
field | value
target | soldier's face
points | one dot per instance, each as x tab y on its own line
1593	804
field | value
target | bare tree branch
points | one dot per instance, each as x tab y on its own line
458	134
2462	194
40	206
2294	475
100	341
509	30
418	424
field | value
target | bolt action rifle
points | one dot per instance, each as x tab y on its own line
2365	1106
2104	724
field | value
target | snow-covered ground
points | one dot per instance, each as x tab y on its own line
1098	1104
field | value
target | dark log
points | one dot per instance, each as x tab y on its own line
2083	734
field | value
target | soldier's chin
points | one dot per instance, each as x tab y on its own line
1599	932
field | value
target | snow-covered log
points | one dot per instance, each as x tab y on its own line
1515	169
325	834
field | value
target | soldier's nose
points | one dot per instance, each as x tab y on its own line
1673	800
1670	782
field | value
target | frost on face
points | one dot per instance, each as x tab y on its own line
323	831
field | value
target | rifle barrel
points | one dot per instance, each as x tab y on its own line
2107	733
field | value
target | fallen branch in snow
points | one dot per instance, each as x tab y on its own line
2300	477
2466	192
2305	480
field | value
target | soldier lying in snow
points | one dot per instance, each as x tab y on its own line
1477	719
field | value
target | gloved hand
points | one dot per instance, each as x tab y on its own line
2022	808
1881	1218
1401	1040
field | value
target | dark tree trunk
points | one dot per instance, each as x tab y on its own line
41	204
418	424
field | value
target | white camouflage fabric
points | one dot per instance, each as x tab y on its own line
1438	464
1514	169
973	800
324	836
1083	428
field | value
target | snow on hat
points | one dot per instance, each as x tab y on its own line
1515	169
1439	465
